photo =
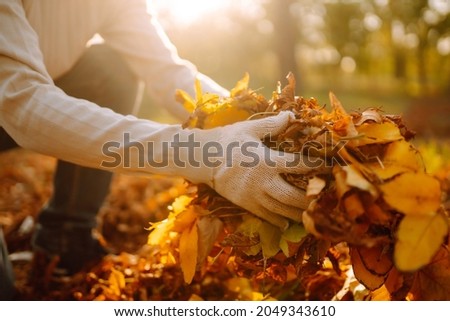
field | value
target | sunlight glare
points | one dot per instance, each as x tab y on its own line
187	12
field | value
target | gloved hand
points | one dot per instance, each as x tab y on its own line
247	173
231	159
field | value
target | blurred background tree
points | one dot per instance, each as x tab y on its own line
377	53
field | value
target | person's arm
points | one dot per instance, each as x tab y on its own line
41	117
139	38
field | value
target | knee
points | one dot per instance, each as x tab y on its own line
102	77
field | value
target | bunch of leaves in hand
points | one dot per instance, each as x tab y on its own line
376	198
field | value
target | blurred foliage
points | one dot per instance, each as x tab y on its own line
378	53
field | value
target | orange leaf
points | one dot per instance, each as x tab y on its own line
376	259
376	214
353	206
401	153
373	133
362	274
189	252
185	219
342	122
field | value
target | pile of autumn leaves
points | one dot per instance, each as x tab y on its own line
376	199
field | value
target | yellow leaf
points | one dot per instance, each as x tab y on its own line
269	236
195	297
413	194
116	281
252	250
159	232
198	91
185	99
294	234
418	240
249	228
188	252
180	204
373	133
402	153
399	157
240	86
250	225
388	171
225	116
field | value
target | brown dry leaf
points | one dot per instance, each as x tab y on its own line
376	214
342	122
368	115
288	92
418	239
395	284
209	228
363	275
189	252
413	194
352	205
433	281
377	259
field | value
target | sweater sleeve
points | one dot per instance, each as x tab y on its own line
41	117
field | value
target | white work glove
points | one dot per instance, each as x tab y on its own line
244	175
231	159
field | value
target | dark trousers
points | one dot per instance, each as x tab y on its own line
102	77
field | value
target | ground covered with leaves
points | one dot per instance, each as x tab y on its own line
376	227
